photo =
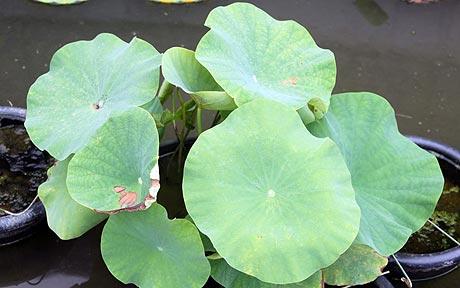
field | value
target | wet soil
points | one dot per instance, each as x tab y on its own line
22	167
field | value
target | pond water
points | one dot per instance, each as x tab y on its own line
410	54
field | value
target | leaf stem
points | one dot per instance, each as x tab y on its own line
306	115
216	119
182	131
166	90
199	120
174	116
214	256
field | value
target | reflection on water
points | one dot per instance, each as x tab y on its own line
371	10
407	53
45	261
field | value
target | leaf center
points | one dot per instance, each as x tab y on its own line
98	105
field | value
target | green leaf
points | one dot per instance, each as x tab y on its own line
252	55
60	2
65	217
214	100
207	244
89	81
149	250
155	109
232	278
114	171
181	69
359	265
270	197
397	183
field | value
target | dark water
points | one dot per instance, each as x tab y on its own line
409	54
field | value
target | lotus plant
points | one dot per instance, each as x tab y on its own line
290	188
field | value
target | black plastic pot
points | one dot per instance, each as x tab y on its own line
383	282
421	267
16	228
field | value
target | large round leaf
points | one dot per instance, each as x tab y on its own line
88	81
252	55
359	265
66	218
232	278
180	68
114	171
149	250
269	195
397	183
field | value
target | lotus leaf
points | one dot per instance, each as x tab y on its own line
87	83
397	183
285	195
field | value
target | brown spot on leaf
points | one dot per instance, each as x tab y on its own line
127	198
291	81
118	189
